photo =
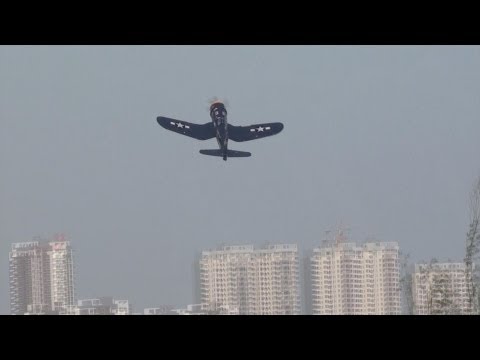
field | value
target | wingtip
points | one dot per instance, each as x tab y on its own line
161	121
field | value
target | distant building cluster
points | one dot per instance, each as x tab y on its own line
161	310
339	278
101	306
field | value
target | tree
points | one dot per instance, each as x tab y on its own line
473	249
435	283
443	301
430	286
406	283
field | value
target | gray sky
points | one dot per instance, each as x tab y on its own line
383	138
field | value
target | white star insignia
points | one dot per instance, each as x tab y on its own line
260	129
180	125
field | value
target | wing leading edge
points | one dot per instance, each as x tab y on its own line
196	131
252	132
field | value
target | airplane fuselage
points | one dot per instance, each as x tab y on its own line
218	113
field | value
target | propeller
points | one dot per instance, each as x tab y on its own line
216	99
213	99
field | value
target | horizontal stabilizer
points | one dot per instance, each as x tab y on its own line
235	153
212	152
230	153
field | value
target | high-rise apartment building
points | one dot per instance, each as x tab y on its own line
41	277
440	288
347	279
246	281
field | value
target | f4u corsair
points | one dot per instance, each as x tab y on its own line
220	129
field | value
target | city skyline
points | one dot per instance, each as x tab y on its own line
383	138
340	277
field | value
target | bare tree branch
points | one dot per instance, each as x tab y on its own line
474	203
473	247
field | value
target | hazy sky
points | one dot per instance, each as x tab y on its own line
385	139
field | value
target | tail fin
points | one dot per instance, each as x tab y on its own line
230	153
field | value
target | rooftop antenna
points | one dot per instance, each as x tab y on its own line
59	237
341	236
326	240
371	238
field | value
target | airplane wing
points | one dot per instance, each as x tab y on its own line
196	131
252	132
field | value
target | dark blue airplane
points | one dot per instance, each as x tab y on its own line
220	129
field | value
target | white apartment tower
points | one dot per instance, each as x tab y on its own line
347	279
248	281
440	288
60	255
41	277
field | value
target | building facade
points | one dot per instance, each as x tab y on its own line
347	279
247	281
101	306
41	277
440	289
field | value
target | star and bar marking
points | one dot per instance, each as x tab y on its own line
260	129
179	125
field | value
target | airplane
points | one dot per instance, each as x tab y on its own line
220	129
